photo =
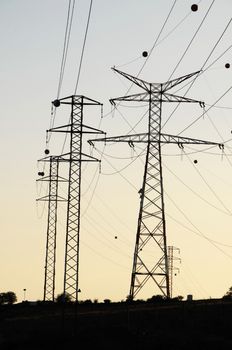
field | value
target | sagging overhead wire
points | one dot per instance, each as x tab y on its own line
66	44
197	232
119	172
194	192
191	41
123	168
154	45
214	126
210	188
202	70
83	47
219	107
67	34
206	110
106	242
157	38
158	42
80	64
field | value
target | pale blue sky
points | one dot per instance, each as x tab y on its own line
31	37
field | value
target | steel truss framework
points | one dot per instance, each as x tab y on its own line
151	228
75	157
52	198
171	267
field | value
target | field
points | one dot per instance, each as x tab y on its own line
205	324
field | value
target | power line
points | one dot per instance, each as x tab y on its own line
160	32
195	193
191	41
210	188
157	38
83	47
201	71
119	173
206	110
66	45
197	232
67	35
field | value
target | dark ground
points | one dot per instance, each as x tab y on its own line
181	325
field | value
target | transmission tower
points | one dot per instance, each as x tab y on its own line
171	267
74	157
52	198
151	228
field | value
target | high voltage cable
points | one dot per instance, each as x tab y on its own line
202	69
132	128
157	43
199	233
63	62
102	230
194	151
80	64
125	167
66	45
65	51
191	41
210	188
118	172
219	107
210	65
83	47
161	30
206	110
214	126
105	257
112	247
195	193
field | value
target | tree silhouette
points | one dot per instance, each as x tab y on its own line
228	294
63	298
8	298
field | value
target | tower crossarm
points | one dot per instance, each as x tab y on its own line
139	138
67	129
180	141
139	82
156	86
52	198
166	97
76	157
79	99
143	97
170	84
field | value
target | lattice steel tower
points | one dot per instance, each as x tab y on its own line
151	228
171	267
52	198
74	157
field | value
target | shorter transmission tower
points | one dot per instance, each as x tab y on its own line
171	267
52	198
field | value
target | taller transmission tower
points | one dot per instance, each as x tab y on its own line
74	157
52	198
151	227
